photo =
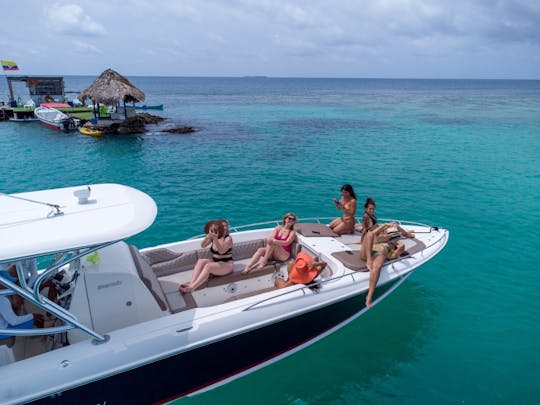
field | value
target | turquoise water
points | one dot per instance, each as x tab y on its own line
463	155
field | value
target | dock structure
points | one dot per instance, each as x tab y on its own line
42	89
5	113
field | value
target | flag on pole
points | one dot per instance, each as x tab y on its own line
9	65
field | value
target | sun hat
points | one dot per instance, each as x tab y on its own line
303	271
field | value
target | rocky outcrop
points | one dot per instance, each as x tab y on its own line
180	130
137	124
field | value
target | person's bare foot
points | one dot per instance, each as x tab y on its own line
409	234
186	289
368	300
261	265
184	285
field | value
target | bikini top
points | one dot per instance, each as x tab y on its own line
372	218
366	220
221	255
277	236
286	247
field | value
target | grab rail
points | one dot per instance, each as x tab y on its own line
352	274
44	303
317	220
302	288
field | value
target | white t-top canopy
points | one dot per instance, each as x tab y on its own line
112	212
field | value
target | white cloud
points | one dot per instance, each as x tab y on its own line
85	47
70	19
282	37
216	38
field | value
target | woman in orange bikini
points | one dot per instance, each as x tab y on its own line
278	246
347	203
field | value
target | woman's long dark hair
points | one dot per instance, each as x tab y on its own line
369	201
349	189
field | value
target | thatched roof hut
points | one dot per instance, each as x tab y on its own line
110	88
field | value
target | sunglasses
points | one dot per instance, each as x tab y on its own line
291	218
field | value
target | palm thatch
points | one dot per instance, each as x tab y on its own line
110	88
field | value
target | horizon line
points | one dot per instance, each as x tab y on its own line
285	77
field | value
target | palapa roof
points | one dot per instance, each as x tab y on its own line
110	88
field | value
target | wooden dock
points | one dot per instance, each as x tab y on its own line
83	113
6	113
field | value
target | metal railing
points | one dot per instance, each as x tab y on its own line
312	286
318	220
34	296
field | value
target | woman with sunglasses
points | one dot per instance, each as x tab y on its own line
347	203
278	246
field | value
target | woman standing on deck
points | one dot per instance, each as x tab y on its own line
347	203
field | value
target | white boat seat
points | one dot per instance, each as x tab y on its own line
148	277
165	262
173	268
6	355
250	294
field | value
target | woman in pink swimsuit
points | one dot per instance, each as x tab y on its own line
278	246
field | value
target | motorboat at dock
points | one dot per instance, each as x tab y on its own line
122	332
49	116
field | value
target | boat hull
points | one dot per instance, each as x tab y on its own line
202	368
52	118
50	125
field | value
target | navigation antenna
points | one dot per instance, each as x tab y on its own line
55	207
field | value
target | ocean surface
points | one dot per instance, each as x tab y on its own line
459	154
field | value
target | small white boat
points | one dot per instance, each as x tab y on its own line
123	333
50	117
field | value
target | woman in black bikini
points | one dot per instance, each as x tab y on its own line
369	223
369	220
375	254
221	264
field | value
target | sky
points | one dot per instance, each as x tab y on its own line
486	39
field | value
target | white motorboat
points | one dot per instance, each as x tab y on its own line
122	333
51	117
